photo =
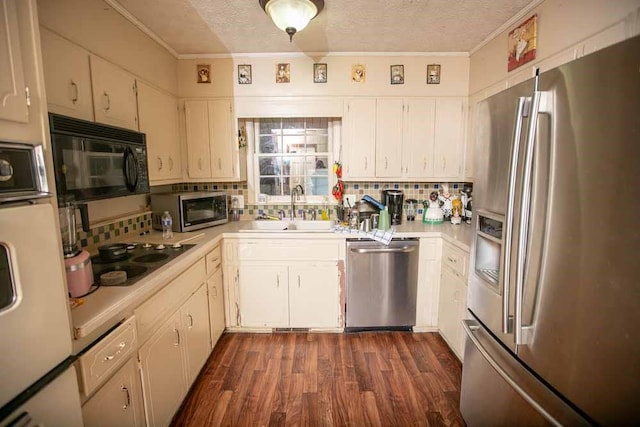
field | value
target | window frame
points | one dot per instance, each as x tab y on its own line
252	127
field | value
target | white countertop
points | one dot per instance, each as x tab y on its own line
108	305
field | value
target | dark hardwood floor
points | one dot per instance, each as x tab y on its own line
354	379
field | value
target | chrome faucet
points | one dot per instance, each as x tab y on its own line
295	195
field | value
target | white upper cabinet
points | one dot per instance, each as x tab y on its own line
448	150
212	147
389	141
20	81
114	95
67	77
197	125
358	146
158	116
221	138
412	138
418	138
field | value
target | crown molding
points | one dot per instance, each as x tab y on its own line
129	17
318	55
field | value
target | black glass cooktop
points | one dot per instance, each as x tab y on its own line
140	260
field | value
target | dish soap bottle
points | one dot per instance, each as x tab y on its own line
383	221
325	210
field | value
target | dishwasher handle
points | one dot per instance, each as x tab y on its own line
403	249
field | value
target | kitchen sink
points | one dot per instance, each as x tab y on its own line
287	226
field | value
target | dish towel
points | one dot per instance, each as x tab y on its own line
382	236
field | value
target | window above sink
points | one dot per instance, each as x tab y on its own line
286	152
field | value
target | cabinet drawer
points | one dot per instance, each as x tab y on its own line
161	305
455	260
213	260
109	354
290	250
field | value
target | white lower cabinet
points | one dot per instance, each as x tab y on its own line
264	295
172	357
283	283
163	373
428	284
216	306
313	296
453	297
118	402
296	296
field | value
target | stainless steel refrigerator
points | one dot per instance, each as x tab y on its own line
552	336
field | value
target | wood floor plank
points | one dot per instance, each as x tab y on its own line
353	379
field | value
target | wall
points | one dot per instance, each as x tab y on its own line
454	76
98	28
561	24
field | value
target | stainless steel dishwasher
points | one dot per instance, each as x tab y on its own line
382	284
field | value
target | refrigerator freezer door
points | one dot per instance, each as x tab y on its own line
57	404
495	144
581	288
34	324
516	397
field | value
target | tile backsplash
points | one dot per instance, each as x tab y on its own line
412	190
133	225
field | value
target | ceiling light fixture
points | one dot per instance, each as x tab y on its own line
292	16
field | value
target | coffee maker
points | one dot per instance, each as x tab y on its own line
393	199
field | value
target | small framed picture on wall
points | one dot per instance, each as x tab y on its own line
397	74
283	73
204	73
433	74
244	74
319	73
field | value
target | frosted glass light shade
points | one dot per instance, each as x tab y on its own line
291	14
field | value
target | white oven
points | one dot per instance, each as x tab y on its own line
35	329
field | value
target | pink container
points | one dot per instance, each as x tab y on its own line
79	274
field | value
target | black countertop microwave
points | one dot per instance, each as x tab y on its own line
95	161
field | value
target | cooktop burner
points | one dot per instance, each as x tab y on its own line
141	260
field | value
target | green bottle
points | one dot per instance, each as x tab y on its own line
383	221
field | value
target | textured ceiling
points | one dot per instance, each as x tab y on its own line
241	26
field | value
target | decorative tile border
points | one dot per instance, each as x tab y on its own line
131	226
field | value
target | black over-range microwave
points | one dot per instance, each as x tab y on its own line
95	161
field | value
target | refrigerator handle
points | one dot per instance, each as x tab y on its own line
521	113
525	210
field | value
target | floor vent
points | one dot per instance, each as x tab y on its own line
281	330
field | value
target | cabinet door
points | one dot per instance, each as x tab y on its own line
20	82
216	306
163	374
118	402
12	79
417	147
359	138
67	77
158	115
449	127
114	94
264	300
389	116
313	296
221	138
197	125
449	313
197	335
